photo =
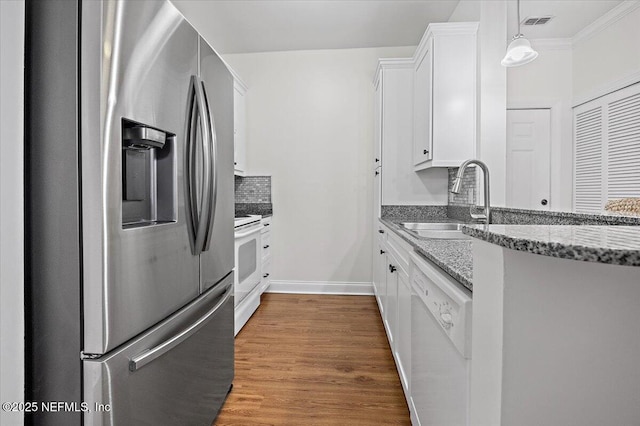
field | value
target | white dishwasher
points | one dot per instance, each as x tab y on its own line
440	347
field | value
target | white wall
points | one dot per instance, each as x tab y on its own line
310	126
547	83
11	207
492	146
607	56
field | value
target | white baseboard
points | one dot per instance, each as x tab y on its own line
321	287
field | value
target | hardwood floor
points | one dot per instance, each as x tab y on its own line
314	360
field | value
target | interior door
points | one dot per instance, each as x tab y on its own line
137	58
528	158
218	260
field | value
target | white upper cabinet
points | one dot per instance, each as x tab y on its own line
445	96
239	127
422	104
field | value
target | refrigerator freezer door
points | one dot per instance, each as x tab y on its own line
218	259
137	58
177	373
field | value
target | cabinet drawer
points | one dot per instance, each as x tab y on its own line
266	244
266	267
266	224
266	274
400	249
381	232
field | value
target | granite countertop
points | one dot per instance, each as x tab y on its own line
615	245
453	256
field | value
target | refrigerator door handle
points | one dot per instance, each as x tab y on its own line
147	356
198	221
191	202
213	176
203	220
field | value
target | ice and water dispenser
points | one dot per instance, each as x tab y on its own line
149	175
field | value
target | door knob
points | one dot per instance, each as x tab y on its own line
544	202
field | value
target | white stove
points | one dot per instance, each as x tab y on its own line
248	267
246	220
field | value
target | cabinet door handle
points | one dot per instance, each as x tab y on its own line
266	224
377	160
392	268
425	152
265	247
381	231
265	275
382	252
377	173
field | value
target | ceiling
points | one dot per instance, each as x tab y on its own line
569	16
243	26
257	26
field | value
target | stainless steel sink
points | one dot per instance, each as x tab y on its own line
437	231
446	226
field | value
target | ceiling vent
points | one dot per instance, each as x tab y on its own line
536	20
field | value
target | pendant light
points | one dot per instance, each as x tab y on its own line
519	51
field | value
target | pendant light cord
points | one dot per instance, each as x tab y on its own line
519	34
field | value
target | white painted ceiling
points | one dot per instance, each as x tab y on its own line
243	26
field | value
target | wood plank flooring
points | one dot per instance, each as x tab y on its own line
314	360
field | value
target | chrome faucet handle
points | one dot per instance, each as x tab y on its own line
479	217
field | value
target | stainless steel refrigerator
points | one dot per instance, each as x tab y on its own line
129	201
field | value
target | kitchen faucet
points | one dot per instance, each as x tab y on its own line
457	185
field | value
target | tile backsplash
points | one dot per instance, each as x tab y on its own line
253	189
468	194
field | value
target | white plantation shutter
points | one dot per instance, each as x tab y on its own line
588	170
623	176
607	149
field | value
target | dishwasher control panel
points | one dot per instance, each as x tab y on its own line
449	304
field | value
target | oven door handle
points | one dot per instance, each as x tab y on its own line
249	232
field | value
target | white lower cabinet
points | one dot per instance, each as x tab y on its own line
393	293
403	335
266	254
391	304
379	275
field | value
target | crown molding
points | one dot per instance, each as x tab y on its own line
444	29
605	20
236	78
391	63
438	28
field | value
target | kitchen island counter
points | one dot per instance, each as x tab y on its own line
615	245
